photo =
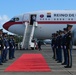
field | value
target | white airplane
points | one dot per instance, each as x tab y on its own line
48	22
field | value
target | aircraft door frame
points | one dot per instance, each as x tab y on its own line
32	18
25	18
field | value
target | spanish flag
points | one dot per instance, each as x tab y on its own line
48	14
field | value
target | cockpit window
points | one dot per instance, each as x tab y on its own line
15	19
12	19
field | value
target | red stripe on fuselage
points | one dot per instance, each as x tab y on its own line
8	24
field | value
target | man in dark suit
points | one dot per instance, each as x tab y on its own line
39	45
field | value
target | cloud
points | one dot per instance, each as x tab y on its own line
3	19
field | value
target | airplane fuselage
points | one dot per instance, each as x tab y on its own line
48	22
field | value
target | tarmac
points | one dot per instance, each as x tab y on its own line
57	68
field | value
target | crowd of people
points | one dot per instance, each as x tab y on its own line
62	43
7	47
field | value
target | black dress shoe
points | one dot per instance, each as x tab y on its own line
10	58
68	66
1	64
63	64
6	60
53	58
58	62
13	57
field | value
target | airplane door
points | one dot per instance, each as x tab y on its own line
32	18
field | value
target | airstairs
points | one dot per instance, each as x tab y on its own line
28	34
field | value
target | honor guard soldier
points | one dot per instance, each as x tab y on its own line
69	46
10	46
6	47
56	45
59	47
64	46
53	45
1	46
13	50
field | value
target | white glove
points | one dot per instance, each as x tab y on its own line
61	46
13	46
65	47
4	47
53	46
57	47
0	45
8	47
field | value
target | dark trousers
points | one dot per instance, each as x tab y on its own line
3	55
0	59
6	51
39	47
13	51
65	55
69	57
59	54
10	53
54	52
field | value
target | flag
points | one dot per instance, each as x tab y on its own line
49	14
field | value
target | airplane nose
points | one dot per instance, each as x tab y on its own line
7	25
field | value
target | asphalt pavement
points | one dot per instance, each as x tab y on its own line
57	68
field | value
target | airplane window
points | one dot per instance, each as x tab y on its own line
71	18
63	18
48	18
57	19
60	18
40	19
15	19
54	19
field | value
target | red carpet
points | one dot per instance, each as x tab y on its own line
29	63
